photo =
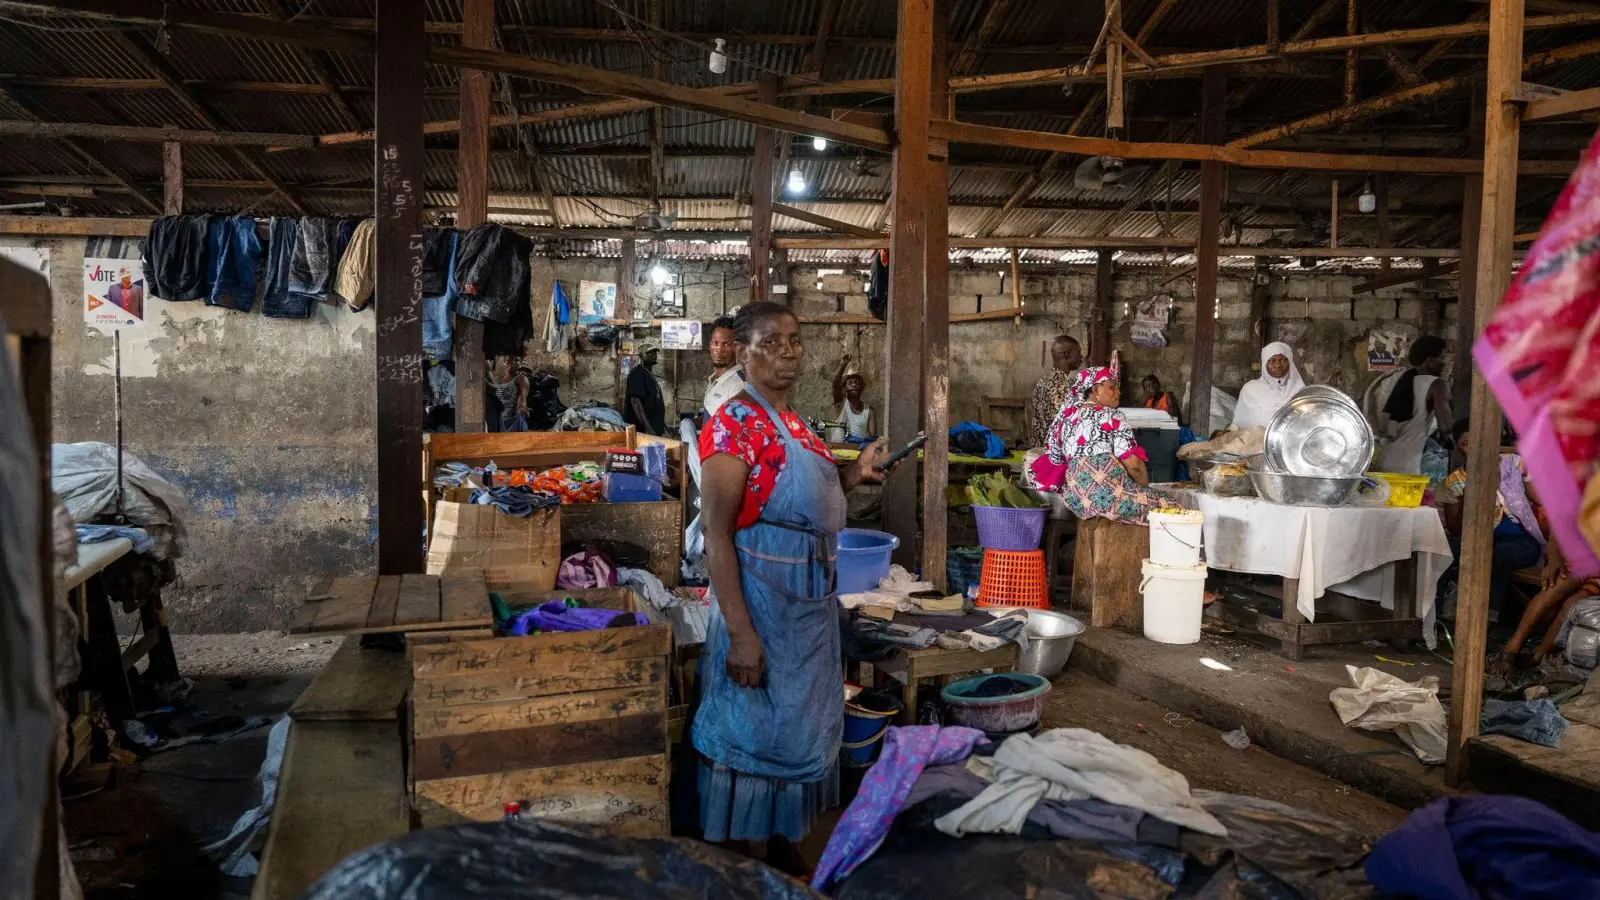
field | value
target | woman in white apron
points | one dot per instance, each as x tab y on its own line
1406	405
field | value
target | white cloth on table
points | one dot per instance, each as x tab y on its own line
1074	764
1346	547
85	477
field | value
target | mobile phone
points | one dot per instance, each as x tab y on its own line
903	452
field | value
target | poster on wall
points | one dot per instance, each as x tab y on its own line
1385	350
597	302
680	334
1150	322
113	294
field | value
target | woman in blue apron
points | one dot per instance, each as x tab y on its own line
771	684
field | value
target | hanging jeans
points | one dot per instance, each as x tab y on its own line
277	301
234	252
438	311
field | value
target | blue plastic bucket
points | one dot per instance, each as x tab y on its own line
863	559
863	729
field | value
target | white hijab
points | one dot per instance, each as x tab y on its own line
1259	399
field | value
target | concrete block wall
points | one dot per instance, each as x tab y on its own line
268	424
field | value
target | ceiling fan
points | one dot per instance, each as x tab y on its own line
1100	172
654	219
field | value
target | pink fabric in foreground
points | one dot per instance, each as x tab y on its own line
1540	353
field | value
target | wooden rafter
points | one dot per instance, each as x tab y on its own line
1031	182
972	47
140	49
320	70
89	158
1393	100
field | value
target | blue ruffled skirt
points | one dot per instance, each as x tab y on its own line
735	806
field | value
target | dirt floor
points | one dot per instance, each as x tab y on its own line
140	837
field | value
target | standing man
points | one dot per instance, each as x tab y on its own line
727	376
646	411
1055	389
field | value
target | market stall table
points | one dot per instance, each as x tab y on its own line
106	661
910	666
1386	554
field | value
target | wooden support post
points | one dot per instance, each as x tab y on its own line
1116	115
761	198
1213	130
936	322
1385	232
172	179
624	312
472	205
1467	299
399	166
1501	128
908	264
1352	57
1333	217
1261	304
1100	315
1274	42
1016	286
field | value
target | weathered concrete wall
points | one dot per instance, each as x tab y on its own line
266	424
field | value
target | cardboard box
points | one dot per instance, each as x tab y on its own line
524	553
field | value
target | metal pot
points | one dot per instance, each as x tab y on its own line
1303	490
1051	636
1319	432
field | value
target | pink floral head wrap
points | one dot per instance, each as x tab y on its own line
1088	378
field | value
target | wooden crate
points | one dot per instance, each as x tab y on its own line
658	526
572	726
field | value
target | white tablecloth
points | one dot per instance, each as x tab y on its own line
1350	548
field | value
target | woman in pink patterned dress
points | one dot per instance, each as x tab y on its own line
1106	475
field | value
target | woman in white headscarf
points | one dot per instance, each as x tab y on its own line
1279	381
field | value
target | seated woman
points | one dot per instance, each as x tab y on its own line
1105	470
1156	398
1518	540
1259	400
1548	609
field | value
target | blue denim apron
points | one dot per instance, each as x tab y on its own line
789	728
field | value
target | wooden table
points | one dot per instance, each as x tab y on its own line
105	663
911	666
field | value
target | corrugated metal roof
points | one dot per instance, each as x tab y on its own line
1162	109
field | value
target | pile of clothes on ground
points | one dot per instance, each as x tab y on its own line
944	812
1070	813
903	613
590	416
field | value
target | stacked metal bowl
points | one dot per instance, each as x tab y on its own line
1318	445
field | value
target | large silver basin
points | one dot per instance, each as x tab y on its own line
1303	490
1051	636
1319	432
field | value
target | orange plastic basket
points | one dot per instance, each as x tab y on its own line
1014	578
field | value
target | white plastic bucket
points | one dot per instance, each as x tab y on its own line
1175	537
1174	598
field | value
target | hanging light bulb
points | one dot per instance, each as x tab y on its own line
658	275
718	61
1366	201
818	143
797	182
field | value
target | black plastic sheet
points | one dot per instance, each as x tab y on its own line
548	861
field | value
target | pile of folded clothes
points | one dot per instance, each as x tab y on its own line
514	500
909	614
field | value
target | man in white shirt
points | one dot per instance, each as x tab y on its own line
727	377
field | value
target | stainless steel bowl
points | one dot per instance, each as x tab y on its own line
1051	636
1303	490
1319	434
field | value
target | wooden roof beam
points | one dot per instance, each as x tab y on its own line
1376	106
157	135
88	157
968	133
318	64
783	209
140	49
973	46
